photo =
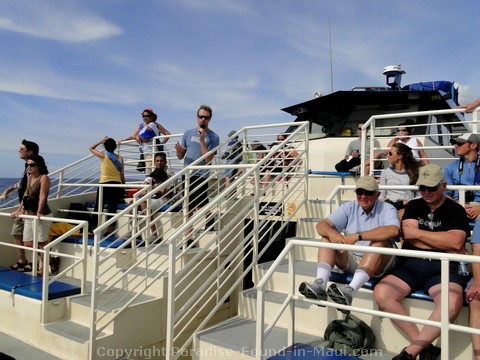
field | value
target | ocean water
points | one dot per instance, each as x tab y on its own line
7	182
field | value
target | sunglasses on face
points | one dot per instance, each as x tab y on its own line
390	153
147	116
431	189
459	143
31	165
203	117
361	192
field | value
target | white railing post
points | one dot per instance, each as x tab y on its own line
291	278
94	300
169	343
260	328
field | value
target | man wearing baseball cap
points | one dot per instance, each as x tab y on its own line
365	221
464	171
430	223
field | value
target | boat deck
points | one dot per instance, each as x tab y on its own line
20	350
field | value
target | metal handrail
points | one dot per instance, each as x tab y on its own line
290	252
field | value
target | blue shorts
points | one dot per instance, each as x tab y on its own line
422	274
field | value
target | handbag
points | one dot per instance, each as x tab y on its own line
141	164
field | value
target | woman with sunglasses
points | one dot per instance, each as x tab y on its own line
144	134
34	202
403	136
403	170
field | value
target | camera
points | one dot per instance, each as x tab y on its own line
469	196
30	204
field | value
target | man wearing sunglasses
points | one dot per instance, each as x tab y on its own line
464	171
431	223
196	143
365	221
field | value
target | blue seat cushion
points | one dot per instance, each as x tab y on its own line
111	242
31	286
347	278
56	290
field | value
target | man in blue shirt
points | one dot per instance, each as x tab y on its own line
472	292
196	143
365	221
464	170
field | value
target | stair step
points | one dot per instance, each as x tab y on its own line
238	335
72	330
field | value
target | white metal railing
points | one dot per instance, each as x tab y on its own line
50	249
289	253
335	197
216	267
370	128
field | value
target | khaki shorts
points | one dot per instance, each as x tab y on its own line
17	228
354	260
43	228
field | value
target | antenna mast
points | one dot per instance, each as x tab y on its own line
331	61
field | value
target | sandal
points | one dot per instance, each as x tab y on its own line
26	268
18	266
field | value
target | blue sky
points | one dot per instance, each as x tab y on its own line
73	71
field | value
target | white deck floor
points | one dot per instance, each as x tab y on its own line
20	350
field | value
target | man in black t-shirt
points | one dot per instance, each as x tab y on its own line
433	223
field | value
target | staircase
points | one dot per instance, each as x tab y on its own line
146	292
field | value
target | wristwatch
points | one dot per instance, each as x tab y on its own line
359	236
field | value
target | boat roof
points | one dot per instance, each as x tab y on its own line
336	110
343	101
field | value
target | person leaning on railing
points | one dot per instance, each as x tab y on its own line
144	134
431	223
26	149
471	106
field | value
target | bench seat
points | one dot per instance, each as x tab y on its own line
110	242
346	279
31	286
123	206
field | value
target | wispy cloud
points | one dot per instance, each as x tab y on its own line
55	20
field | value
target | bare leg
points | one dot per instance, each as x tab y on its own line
21	252
388	294
475	323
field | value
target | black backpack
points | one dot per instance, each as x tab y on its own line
350	336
